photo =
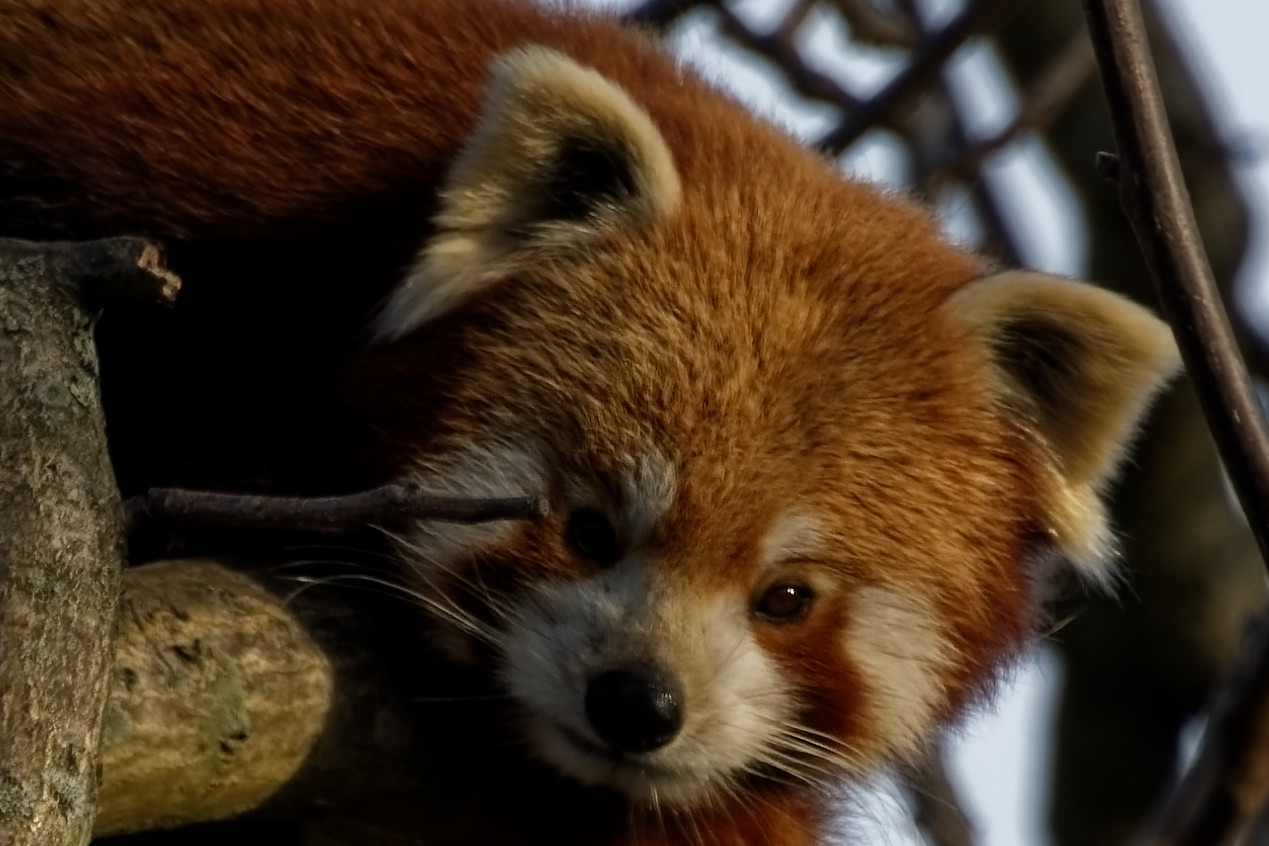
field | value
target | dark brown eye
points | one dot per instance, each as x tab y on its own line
785	602
591	535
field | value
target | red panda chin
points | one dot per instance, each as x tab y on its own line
643	782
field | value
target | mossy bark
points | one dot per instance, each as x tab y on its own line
60	556
217	698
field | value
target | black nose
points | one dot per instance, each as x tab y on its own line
634	709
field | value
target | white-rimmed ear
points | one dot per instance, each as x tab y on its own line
1079	366
559	153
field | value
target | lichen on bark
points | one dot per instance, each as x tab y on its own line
61	547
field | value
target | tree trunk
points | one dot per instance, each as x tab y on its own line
60	554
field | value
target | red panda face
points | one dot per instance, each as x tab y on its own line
800	456
773	551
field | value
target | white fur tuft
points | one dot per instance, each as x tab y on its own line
897	642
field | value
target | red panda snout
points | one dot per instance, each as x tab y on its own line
637	680
635	709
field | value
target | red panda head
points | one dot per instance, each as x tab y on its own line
803	458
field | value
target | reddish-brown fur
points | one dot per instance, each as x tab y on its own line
290	152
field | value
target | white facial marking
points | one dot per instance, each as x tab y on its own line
793	535
897	642
734	699
649	490
647	484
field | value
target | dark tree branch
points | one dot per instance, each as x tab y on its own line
1227	788
385	507
780	47
1000	239
1048	96
872	25
1225	791
920	73
1156	202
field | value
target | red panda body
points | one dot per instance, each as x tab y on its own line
802	458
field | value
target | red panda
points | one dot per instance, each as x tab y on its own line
804	460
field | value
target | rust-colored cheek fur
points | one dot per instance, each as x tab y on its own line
506	251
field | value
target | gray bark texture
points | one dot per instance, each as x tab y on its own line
60	554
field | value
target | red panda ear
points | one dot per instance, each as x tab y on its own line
559	154
1078	366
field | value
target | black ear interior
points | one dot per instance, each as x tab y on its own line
1043	358
1051	366
585	176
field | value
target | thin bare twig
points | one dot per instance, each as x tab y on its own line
1053	89
387	506
873	26
983	194
1155	199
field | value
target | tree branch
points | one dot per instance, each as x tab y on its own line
216	684
61	549
780	47
921	71
1048	95
233	695
1225	791
1156	202
874	26
660	14
386	507
104	272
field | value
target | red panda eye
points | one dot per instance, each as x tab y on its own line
785	602
592	536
